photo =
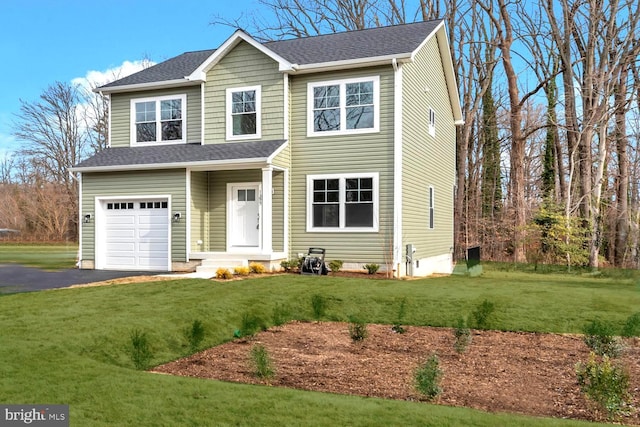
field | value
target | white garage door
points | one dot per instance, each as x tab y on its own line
136	235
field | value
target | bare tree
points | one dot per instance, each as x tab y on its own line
54	141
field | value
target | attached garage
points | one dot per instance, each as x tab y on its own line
134	235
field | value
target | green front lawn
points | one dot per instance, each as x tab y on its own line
68	346
47	257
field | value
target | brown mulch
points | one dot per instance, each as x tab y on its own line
526	373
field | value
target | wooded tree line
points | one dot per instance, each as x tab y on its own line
548	160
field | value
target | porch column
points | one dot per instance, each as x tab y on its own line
267	210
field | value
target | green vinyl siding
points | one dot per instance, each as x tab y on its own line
339	154
244	66
427	160
199	211
132	184
121	113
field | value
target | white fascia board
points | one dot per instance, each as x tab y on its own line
238	36
166	84
204	165
276	152
439	27
449	74
352	63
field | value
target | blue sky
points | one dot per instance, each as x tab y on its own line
44	41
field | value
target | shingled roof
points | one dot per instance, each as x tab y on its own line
179	155
346	46
175	68
350	45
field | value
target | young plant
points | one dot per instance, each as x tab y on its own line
482	313
605	384
257	268
462	336
319	306
358	330
335	265
632	326
599	337
280	315
194	335
139	349
371	268
262	363
397	327
223	273
249	326
427	378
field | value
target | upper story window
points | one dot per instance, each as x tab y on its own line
158	119
243	112
432	122
343	106
345	202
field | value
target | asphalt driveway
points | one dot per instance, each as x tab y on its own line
17	278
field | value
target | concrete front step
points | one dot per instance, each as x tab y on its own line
212	265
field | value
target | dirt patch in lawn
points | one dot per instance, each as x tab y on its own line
526	373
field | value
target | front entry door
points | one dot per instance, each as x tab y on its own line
244	215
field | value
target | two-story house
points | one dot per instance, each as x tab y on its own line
259	151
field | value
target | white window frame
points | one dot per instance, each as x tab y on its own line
375	176
432	122
157	99
229	117
431	206
343	110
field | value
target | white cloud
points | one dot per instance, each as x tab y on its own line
95	78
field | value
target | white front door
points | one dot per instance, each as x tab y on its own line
244	215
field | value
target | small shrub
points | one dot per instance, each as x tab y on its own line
397	327
262	363
371	268
358	330
462	336
319	306
257	268
194	335
599	337
280	315
632	326
223	273
605	384
291	265
427	378
482	313
335	265
250	324
139	349
242	270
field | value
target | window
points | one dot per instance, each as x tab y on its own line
346	202
158	120
343	106
243	112
432	122
431	208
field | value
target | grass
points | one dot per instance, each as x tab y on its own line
48	257
69	346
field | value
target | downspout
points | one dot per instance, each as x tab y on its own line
397	165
